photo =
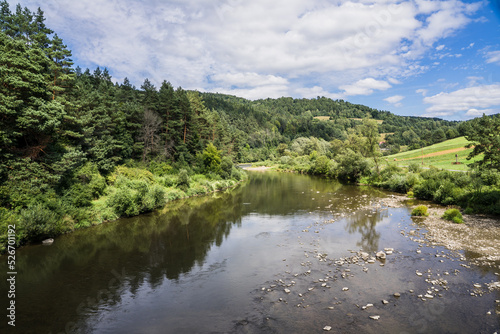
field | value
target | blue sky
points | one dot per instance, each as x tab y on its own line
420	57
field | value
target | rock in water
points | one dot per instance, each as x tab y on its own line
375	317
48	242
327	328
380	255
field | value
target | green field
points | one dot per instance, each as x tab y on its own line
441	155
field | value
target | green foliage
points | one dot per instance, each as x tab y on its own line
453	215
160	168
351	166
131	173
211	159
183	180
122	202
321	165
420	211
484	133
37	222
226	168
414	167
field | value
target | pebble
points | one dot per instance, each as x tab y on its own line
397	295
477	285
345	289
366	306
327	328
385	302
375	317
48	242
287	290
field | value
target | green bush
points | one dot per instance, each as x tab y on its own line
131	174
183	180
122	202
320	165
414	167
285	160
453	215
37	222
420	210
226	167
159	168
237	173
426	189
352	166
387	172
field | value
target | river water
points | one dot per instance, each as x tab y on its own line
278	254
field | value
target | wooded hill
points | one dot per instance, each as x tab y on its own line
266	123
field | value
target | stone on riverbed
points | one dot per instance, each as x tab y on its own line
364	256
380	255
375	317
327	328
388	251
48	242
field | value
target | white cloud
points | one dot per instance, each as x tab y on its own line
493	57
312	92
476	113
422	91
440	47
471	100
259	46
365	87
395	100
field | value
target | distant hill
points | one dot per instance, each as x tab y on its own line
286	118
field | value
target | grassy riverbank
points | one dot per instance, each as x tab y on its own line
128	191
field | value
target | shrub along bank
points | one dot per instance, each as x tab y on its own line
475	191
130	190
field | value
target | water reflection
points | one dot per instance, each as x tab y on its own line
365	224
196	259
58	284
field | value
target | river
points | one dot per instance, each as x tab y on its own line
278	254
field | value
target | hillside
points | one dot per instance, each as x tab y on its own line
266	123
442	155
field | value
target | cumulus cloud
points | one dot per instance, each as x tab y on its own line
395	100
472	100
260	48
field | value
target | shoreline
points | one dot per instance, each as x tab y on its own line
479	234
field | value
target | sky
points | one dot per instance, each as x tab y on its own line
413	58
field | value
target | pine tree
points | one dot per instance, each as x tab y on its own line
166	105
60	68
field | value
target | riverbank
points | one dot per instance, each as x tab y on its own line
479	235
127	192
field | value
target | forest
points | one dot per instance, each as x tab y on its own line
78	149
